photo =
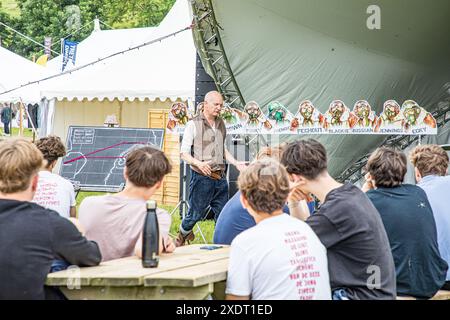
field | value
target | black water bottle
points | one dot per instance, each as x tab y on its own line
150	237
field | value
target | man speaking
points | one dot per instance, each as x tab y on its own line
203	148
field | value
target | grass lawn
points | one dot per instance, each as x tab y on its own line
27	133
10	7
207	227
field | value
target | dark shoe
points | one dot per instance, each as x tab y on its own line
181	239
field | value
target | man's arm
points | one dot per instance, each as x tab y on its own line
240	165
70	245
233	297
73	212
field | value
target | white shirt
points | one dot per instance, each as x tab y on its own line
188	136
280	258
55	193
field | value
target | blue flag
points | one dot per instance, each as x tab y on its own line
69	53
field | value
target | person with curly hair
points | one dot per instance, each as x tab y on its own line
54	192
280	258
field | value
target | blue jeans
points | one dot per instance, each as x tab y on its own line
6	127
58	265
340	294
204	192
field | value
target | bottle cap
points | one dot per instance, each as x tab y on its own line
151	205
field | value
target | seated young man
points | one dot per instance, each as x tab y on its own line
31	236
347	223
409	223
431	165
280	258
54	192
234	218
116	221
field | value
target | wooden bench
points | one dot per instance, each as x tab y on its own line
440	295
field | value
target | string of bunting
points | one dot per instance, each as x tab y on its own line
409	119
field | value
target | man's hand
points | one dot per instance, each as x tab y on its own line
296	195
168	245
368	185
203	167
241	165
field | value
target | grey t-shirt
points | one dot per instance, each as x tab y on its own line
351	229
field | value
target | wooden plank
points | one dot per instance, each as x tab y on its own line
129	270
134	274
139	293
194	276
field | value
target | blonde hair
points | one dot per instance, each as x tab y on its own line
430	159
19	161
265	185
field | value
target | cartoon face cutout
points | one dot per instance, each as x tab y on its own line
411	112
179	110
337	114
277	112
253	111
362	109
391	111
306	110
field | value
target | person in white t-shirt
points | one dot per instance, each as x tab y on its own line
280	258
54	192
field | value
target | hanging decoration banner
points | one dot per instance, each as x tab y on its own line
409	119
69	53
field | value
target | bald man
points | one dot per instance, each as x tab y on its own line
203	148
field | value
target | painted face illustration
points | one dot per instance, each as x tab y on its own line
307	111
362	110
179	111
276	112
411	114
337	111
390	111
253	111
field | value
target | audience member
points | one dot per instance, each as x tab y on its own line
360	261
31	236
116	221
280	257
54	192
431	165
409	223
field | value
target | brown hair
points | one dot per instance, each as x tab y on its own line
19	161
146	166
265	185
387	167
307	158
52	149
430	159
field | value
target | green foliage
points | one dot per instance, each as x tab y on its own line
60	18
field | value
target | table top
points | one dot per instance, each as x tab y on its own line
188	266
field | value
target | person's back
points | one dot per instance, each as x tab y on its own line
360	262
352	231
116	222
55	193
410	226
285	259
280	258
431	166
32	237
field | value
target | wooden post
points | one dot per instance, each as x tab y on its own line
20	119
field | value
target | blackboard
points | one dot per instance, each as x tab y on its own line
96	155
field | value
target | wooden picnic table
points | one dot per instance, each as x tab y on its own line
188	273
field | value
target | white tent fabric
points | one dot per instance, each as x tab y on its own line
164	70
16	71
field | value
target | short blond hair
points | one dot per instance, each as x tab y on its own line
19	161
430	159
265	185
